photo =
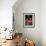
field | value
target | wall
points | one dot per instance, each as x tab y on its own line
6	16
28	6
6	13
43	22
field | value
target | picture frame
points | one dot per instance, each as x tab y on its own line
29	20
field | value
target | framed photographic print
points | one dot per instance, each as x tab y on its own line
29	20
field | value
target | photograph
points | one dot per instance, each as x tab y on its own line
29	19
